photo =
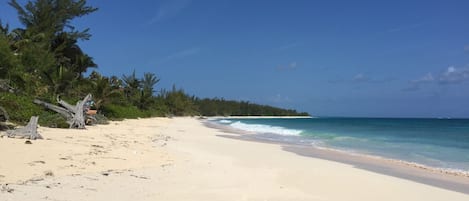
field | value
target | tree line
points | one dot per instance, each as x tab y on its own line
43	60
221	107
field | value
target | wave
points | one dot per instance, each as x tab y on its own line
224	121
261	128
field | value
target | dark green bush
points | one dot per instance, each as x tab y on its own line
101	119
118	112
53	120
19	108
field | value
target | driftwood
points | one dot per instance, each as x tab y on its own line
75	115
55	108
29	131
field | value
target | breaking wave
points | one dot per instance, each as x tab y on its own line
261	128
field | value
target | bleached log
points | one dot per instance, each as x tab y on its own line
75	115
65	104
29	131
78	120
64	112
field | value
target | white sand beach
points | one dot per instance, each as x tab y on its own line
181	159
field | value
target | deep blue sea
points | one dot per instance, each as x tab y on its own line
437	143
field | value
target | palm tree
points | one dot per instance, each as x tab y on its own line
132	86
146	93
103	89
47	46
149	81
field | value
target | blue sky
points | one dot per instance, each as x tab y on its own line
329	58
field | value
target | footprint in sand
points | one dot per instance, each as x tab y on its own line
66	158
36	162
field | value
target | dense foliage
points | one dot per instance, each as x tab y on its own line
42	60
221	107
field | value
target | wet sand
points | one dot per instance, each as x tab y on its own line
399	169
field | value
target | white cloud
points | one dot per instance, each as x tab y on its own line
451	75
454	76
360	78
291	66
425	79
451	69
363	78
182	54
169	9
415	85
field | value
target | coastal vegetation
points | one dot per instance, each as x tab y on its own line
221	107
43	60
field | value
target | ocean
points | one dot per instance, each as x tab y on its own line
434	143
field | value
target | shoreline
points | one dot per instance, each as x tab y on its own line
446	179
259	117
259	136
390	167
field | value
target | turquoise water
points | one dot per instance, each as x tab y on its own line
438	143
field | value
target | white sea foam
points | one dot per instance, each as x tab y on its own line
260	128
224	121
451	171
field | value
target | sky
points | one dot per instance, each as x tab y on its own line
329	58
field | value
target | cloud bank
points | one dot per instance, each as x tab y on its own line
451	76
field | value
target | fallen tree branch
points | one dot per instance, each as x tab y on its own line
75	115
29	131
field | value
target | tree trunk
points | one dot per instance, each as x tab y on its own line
29	131
75	115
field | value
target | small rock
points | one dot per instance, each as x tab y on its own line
28	142
97	146
49	173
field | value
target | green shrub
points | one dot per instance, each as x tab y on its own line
118	112
101	119
19	108
53	120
